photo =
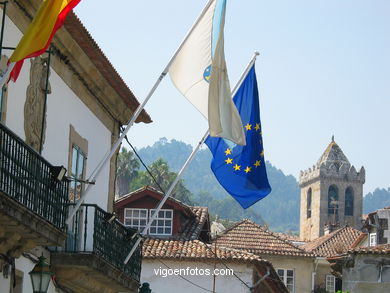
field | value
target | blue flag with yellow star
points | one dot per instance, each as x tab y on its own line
241	169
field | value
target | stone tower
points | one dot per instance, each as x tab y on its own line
331	194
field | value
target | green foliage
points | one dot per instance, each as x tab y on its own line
164	178
280	209
378	199
127	170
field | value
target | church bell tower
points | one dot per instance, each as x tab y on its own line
331	194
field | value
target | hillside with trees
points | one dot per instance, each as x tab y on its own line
279	210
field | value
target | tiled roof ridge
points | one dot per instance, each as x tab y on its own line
270	233
358	240
378	249
334	243
334	234
235	254
151	188
276	236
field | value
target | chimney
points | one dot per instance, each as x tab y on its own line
329	228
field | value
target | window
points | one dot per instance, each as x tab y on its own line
333	200
349	202
287	276
136	218
330	283
308	203
163	223
77	162
77	173
372	239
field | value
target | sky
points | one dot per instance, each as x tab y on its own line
323	70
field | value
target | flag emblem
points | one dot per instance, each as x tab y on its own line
207	73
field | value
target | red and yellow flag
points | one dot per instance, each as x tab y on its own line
49	18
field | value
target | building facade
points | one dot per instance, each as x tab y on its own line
65	110
331	194
177	254
294	265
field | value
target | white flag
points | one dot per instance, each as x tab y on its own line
199	73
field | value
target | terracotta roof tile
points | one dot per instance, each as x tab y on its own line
379	249
195	250
194	227
256	239
334	243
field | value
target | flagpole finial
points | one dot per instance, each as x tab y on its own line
257	53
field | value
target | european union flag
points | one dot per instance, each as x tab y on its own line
241	169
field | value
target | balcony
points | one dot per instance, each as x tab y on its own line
96	247
32	203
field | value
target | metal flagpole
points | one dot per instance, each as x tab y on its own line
192	155
109	154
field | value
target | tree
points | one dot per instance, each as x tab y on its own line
127	170
164	178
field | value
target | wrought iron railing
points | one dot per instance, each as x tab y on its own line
92	231
25	176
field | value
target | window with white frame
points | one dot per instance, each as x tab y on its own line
287	276
136	218
372	239
163	223
330	284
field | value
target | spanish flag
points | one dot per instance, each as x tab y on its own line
49	18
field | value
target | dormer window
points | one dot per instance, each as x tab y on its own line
163	224
138	218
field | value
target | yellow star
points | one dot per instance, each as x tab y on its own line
257	164
229	161
228	152
257	127
237	167
247	169
262	153
248	126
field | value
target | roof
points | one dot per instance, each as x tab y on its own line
379	249
194	227
196	250
151	191
84	39
333	154
256	239
334	243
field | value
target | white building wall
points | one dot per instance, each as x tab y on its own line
64	108
23	265
151	274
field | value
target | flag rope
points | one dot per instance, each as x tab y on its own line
192	155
